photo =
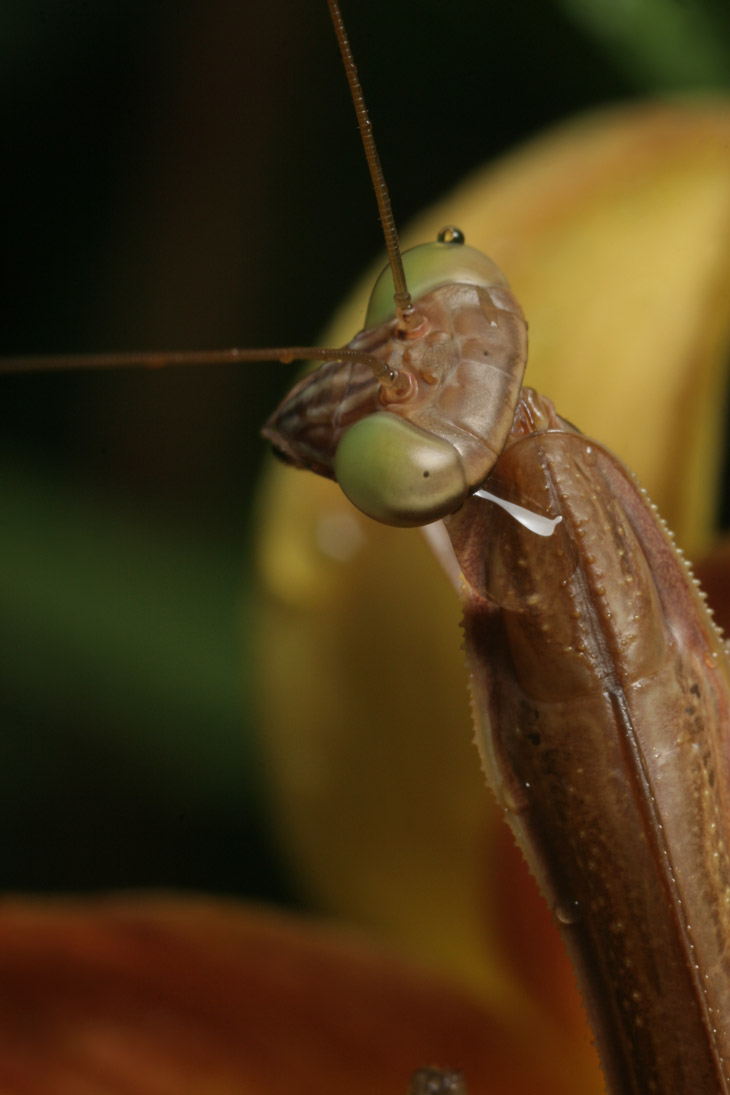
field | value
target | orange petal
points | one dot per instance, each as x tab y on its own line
164	997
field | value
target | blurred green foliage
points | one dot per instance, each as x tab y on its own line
189	175
661	45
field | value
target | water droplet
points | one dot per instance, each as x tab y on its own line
568	913
451	234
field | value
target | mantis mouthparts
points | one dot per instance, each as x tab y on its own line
535	522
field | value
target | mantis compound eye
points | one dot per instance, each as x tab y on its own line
397	473
429	266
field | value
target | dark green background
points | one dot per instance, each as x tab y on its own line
188	175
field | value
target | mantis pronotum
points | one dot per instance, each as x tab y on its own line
647	1074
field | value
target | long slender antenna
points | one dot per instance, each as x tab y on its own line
157	359
408	320
407	316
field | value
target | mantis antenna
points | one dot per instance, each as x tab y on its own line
408	321
408	318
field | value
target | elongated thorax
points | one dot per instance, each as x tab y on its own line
602	702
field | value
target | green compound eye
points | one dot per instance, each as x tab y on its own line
427	267
397	473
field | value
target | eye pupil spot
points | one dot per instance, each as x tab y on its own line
426	474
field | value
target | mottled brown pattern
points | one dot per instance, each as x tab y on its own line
467	367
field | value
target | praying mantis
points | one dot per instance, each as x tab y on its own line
617	1088
152	203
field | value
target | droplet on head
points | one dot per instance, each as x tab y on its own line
451	234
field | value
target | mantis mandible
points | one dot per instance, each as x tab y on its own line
629	1067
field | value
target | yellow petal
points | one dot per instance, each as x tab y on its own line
613	232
